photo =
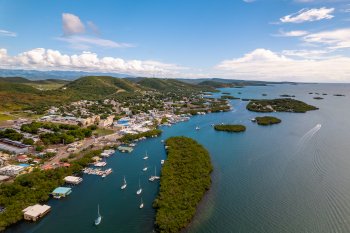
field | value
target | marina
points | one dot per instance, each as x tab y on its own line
250	191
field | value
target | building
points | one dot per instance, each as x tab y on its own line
106	122
73	180
13	146
61	192
33	213
11	170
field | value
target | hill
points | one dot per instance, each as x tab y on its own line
96	87
170	85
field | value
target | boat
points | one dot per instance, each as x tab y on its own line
141	205
155	177
139	191
162	161
197	128
99	217
253	120
124	184
145	169
146	156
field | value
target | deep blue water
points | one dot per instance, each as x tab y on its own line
291	177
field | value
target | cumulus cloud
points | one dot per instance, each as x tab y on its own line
308	15
72	24
268	65
48	59
7	33
334	39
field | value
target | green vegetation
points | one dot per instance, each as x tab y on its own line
5	117
279	105
61	133
287	95
228	97
11	134
28	141
33	188
184	180
127	138
102	132
267	120
230	128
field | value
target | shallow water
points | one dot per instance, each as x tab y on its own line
291	177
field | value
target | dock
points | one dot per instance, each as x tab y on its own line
125	149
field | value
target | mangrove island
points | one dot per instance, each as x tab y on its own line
279	105
267	120
184	180
230	128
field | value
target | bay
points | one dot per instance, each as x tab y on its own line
291	177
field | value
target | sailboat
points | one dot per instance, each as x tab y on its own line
124	184
197	128
146	156
155	177
141	205
99	217
139	191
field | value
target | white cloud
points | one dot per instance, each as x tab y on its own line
336	39
7	33
85	42
268	65
296	33
74	34
72	24
47	59
306	15
307	54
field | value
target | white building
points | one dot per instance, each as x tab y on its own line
33	213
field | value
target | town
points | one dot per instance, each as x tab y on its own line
61	135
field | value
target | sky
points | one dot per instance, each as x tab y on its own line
273	40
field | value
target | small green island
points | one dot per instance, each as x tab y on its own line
267	120
279	105
230	97
230	128
184	180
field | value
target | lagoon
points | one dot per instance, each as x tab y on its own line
290	177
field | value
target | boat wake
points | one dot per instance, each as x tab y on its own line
307	137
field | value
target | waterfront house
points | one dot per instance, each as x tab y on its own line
73	180
33	213
61	192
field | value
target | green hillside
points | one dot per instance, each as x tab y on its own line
96	87
171	85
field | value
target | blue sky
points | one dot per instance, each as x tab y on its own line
296	40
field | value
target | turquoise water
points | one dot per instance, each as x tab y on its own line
291	177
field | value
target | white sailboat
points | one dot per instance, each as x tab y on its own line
146	156
162	161
139	191
197	128
155	177
141	205
124	184
99	217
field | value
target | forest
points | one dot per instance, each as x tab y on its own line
185	178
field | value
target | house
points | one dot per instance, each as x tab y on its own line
22	158
61	192
73	180
11	170
33	213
